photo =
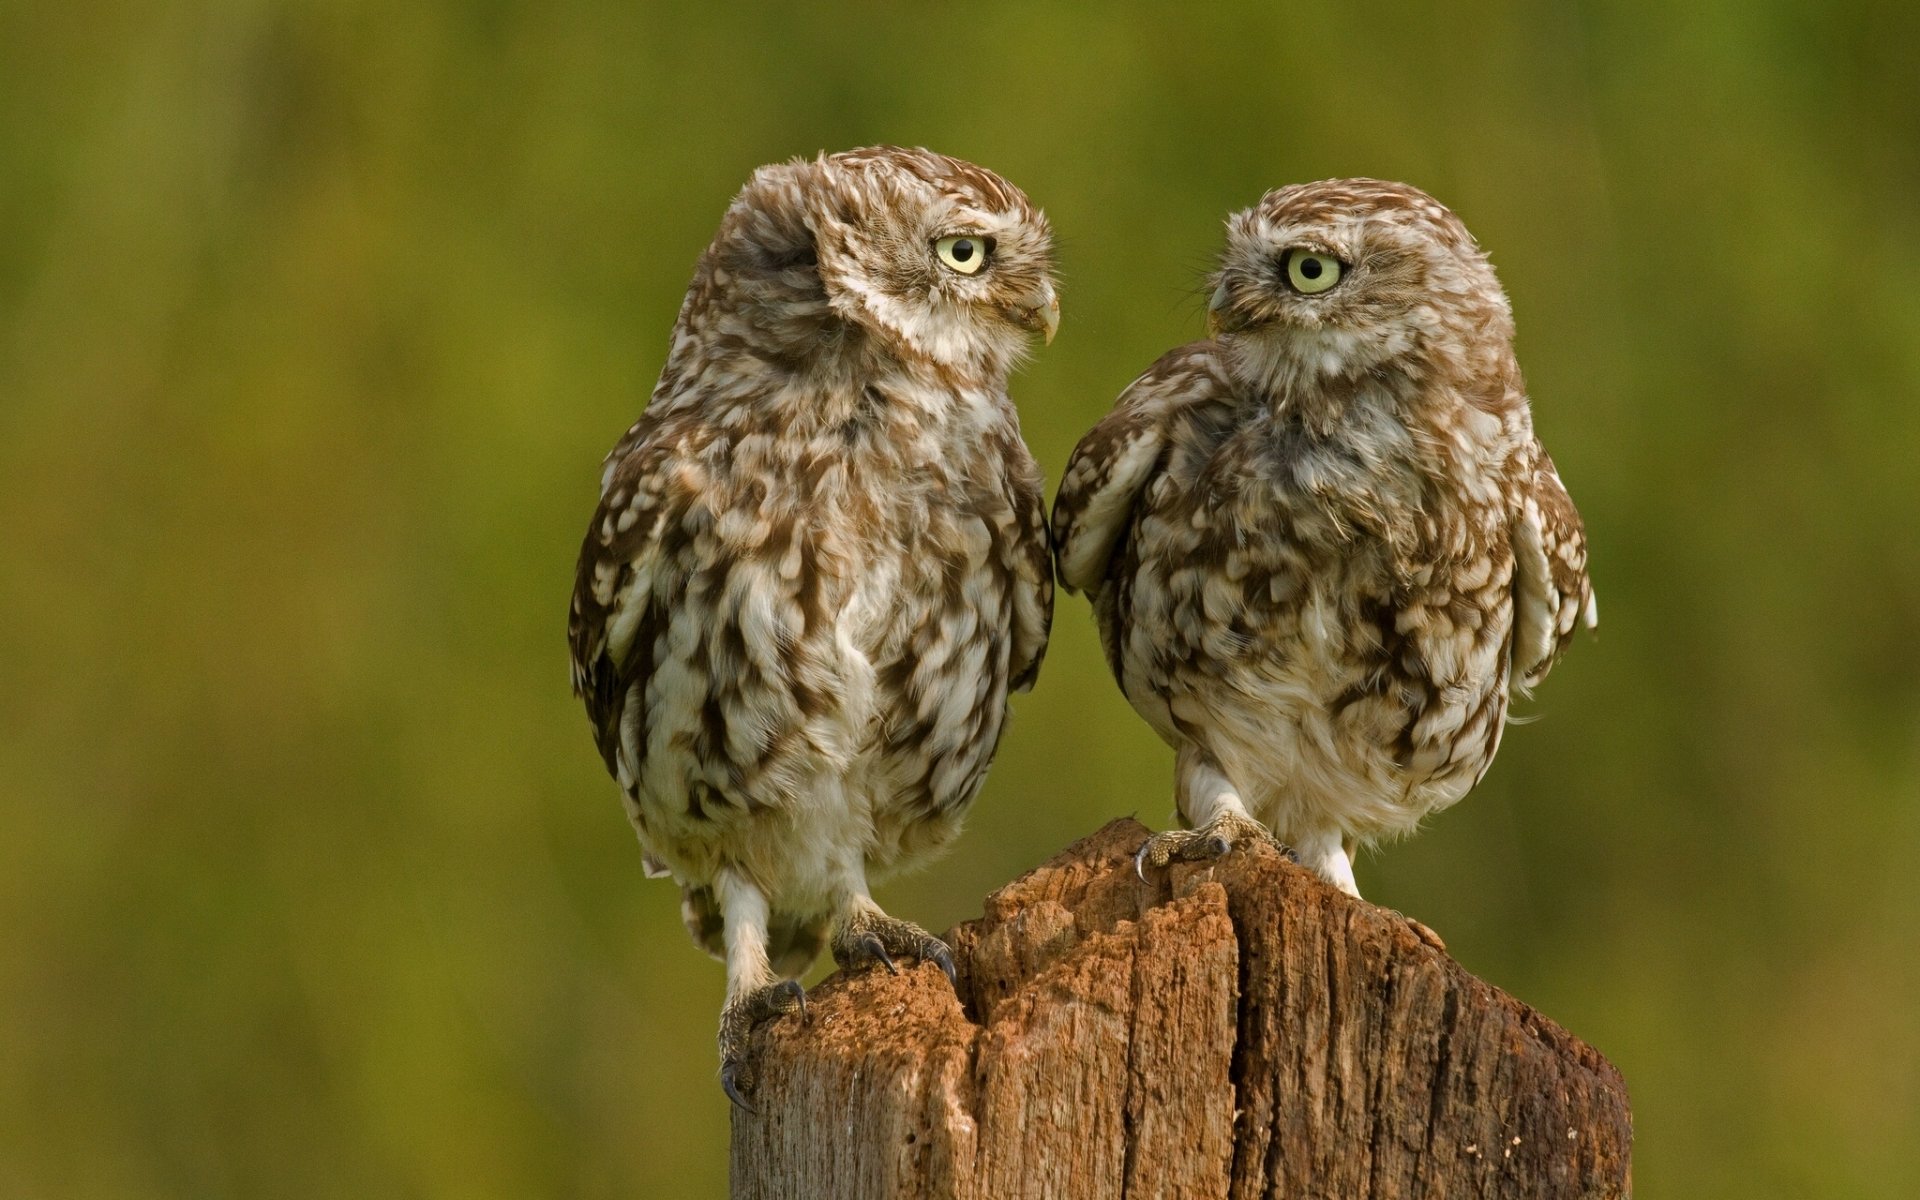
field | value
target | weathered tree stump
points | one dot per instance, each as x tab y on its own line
1230	1029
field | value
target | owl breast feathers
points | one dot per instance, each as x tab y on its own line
1324	545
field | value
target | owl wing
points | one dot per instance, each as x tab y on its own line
638	533
1031	562
1552	595
1114	462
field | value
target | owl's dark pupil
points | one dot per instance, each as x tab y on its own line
962	250
1310	267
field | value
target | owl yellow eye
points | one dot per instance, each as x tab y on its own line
1310	273
965	253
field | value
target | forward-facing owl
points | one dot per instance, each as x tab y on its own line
1323	546
820	560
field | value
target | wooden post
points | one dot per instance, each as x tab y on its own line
1232	1029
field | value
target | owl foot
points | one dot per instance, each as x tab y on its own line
1210	841
737	1021
869	936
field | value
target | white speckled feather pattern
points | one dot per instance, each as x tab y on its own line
1323	546
820	560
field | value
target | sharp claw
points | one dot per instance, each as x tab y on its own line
1140	859
874	946
943	958
1215	847
737	1022
730	1084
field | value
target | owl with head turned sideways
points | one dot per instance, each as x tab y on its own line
820	561
1324	546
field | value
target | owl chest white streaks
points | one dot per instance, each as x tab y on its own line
822	650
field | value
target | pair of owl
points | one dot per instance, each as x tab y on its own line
1322	547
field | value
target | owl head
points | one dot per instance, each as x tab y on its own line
1347	278
906	254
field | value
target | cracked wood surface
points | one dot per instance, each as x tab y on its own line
1232	1029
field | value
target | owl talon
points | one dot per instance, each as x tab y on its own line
1213	840
732	1076
874	950
868	937
737	1022
941	957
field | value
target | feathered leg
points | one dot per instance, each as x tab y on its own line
1330	857
754	992
1326	855
1210	804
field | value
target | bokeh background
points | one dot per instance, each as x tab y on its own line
316	318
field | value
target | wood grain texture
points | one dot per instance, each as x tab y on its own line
1236	1029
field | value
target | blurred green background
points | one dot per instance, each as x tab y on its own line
316	318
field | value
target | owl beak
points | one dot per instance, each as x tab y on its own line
1220	316
1040	311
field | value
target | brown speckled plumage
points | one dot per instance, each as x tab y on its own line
1324	546
820	560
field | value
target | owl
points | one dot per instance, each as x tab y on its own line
1324	546
820	561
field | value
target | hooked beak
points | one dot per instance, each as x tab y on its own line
1220	317
1040	311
